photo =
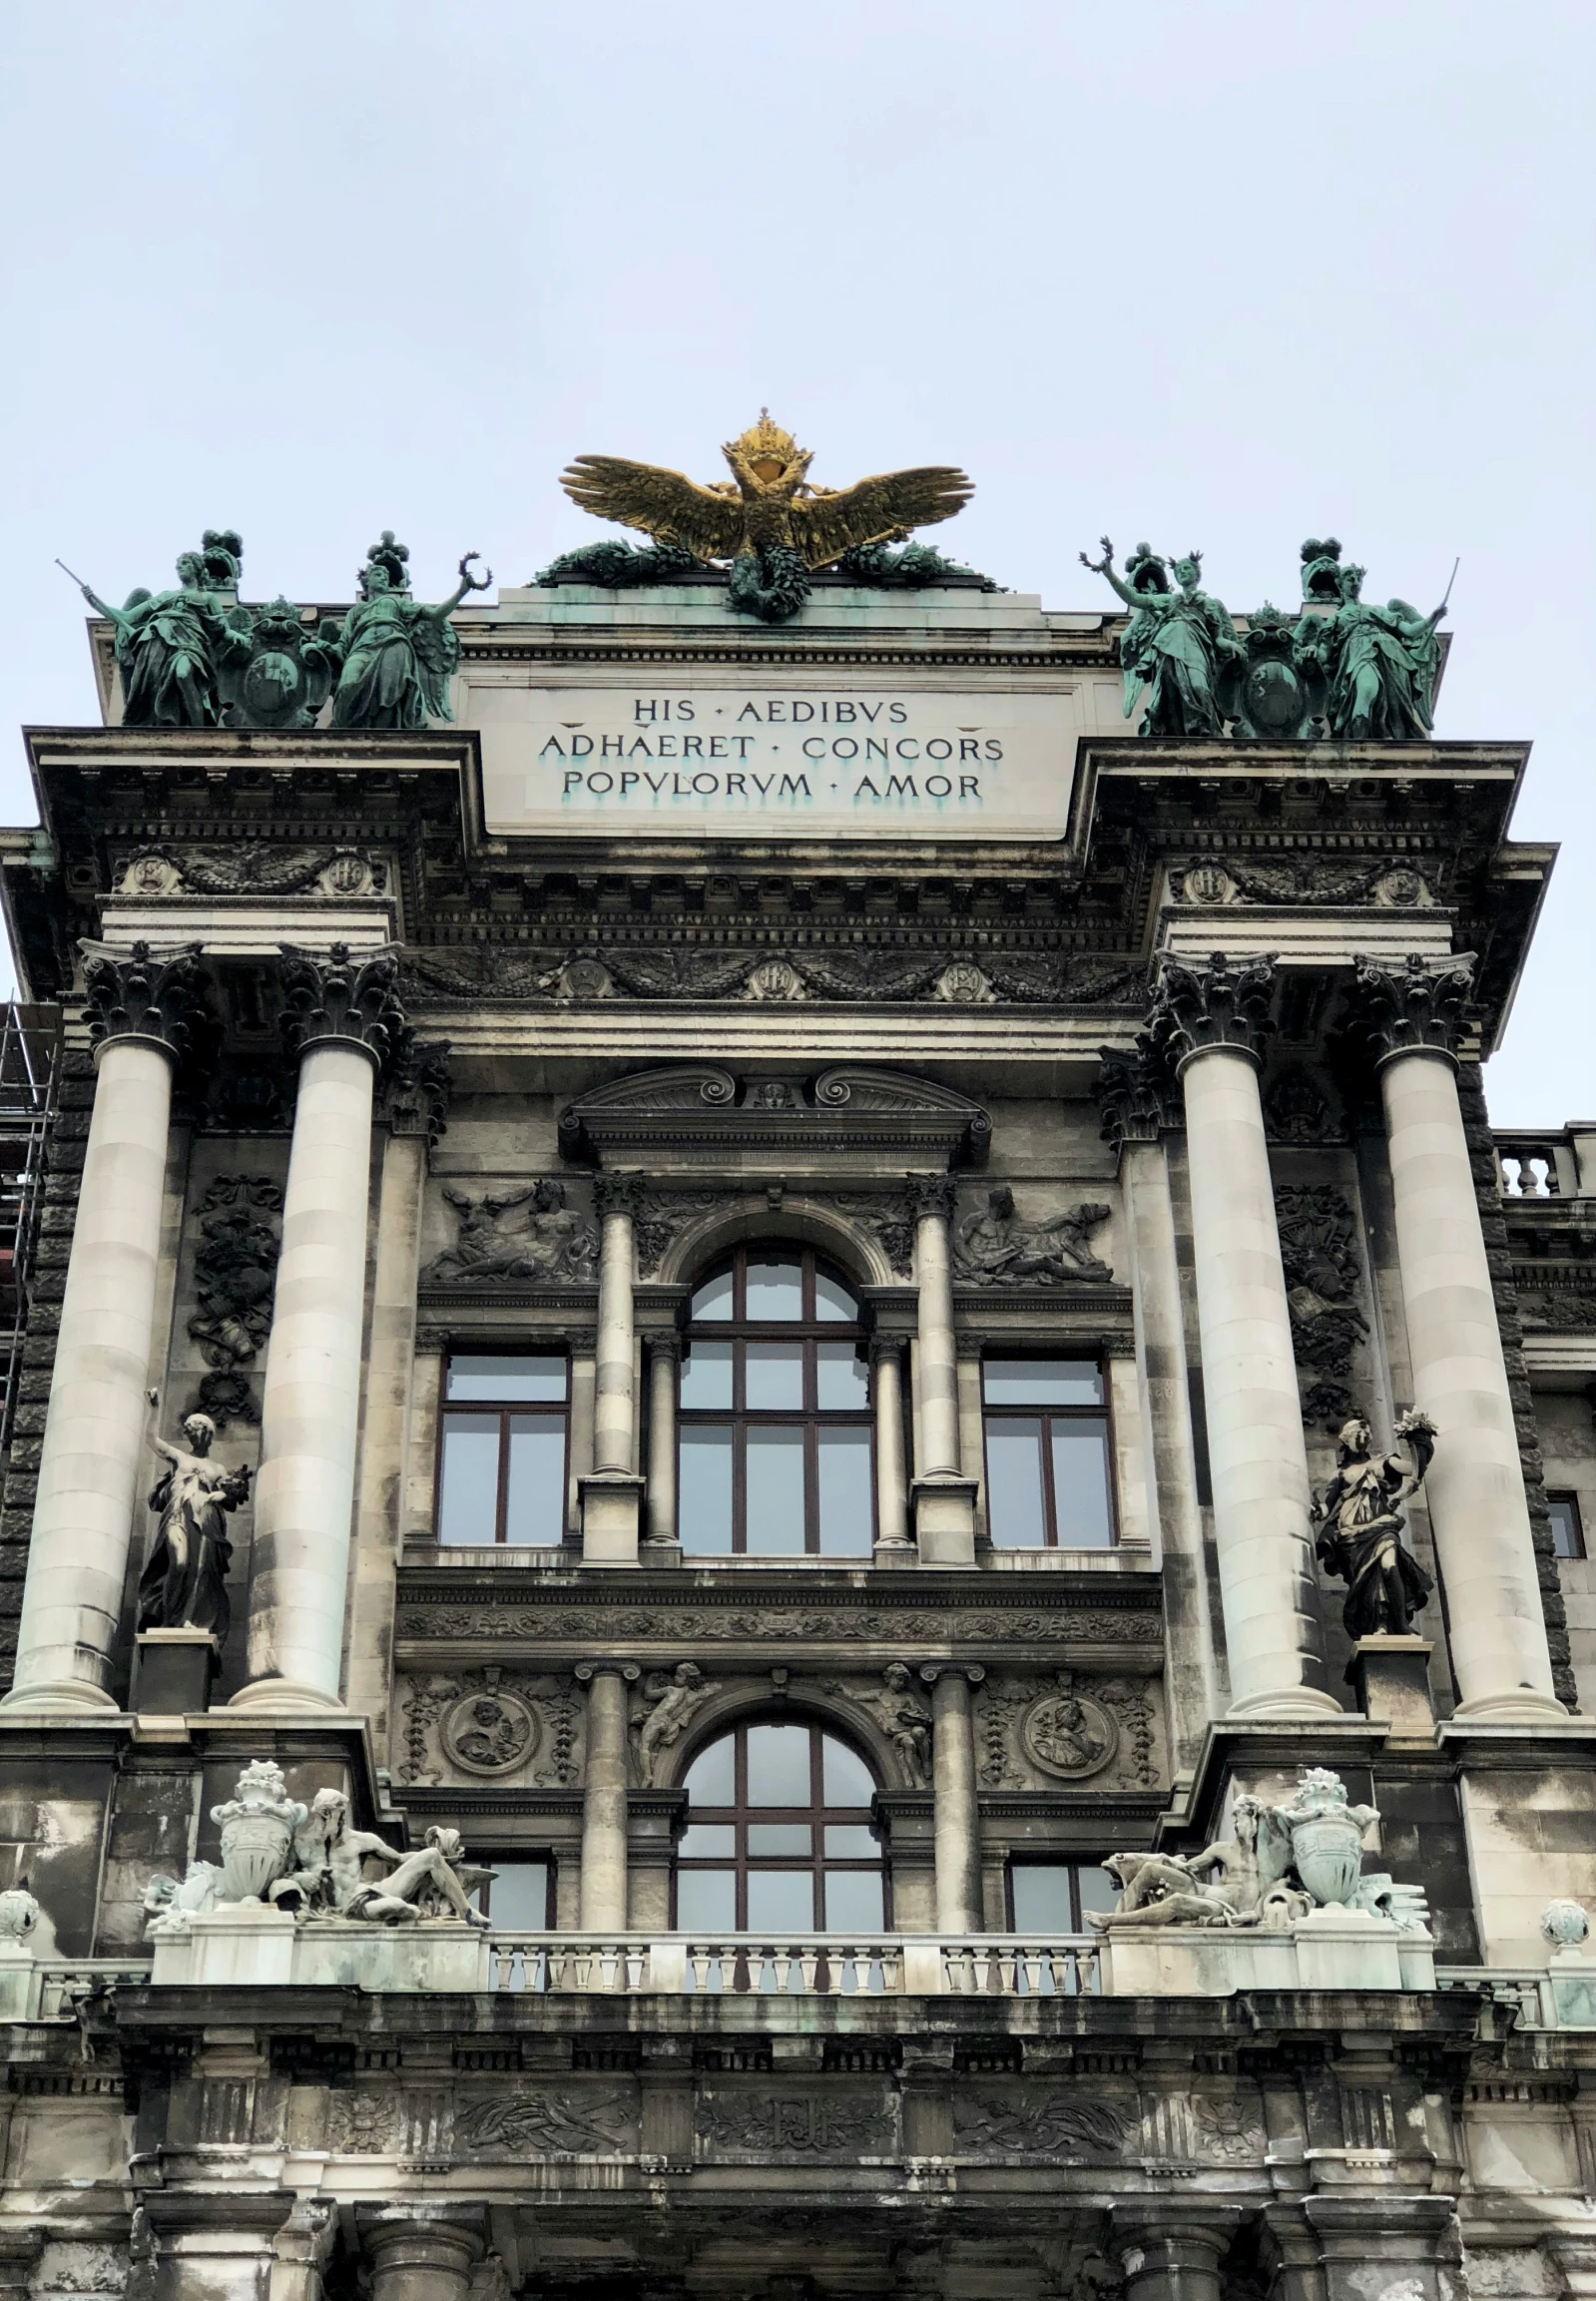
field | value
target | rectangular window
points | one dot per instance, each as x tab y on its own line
1054	1896
1568	1532
502	1449
519	1895
1049	1482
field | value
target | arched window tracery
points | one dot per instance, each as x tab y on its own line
778	1837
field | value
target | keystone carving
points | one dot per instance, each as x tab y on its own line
142	993
339	997
1422	1007
1215	1005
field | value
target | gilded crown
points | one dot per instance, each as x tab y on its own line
766	442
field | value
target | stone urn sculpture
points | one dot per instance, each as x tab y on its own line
257	1827
19	1913
1326	1834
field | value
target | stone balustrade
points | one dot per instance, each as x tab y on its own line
818	1964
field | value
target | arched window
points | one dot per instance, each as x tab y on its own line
778	1837
775	1413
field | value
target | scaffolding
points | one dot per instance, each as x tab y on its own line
30	1072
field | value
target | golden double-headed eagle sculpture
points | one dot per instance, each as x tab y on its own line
768	505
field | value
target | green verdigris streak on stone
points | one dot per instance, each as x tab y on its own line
397	653
171	646
1179	643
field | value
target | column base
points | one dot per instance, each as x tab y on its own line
1520	1708
173	1672
57	1694
610	1504
1390	1677
286	1694
1298	1702
942	1508
899	1553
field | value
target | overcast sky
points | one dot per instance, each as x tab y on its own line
1213	274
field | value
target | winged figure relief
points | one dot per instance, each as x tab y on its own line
767	520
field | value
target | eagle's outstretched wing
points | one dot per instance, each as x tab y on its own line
878	510
665	504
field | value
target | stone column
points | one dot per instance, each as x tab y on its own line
1211	1022
215	2245
1137	1110
602	1908
611	1495
344	1016
139	1007
1476	1486
942	1498
958	1817
664	1358
1371	2240
421	2252
892	1544
1170	2252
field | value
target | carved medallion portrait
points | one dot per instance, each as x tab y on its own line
1068	1735
488	1733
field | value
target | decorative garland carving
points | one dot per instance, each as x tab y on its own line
1319	1256
1063	1729
252	868
691	1625
235	1267
482	1723
950	974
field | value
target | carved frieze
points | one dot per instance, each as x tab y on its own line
364	2122
251	868
1319	1256
1557	1308
690	1626
1048	1733
1299	879
482	1724
549	2121
1023	2121
800	2122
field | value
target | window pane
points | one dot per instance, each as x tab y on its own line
468	1489
775	1471
1096	1888
1041	1892
845	1459
851	1841
714	1299
842	1379
704	1477
706	1901
516	1381
767	1838
709	1780
779	1764
780	1900
1568	1539
1014	1484
707	1375
846	1777
1042	1383
774	1287
534	1509
833	1300
1079	1486
773	1373
854	1901
709	1841
519	1895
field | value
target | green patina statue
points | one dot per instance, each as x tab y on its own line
1379	664
279	673
397	653
1179	645
171	646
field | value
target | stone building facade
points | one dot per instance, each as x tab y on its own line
784	1302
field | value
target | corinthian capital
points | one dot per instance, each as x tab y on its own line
335	995
1420	1009
143	993
1194	1007
618	1195
932	1195
1134	1093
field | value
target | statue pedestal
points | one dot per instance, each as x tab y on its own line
1330	1949
20	1982
249	1943
173	1672
1574	1979
1390	1676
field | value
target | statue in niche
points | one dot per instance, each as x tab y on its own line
1361	1538
549	1242
673	1699
184	1585
397	653
994	1247
171	645
1179	644
329	1879
1381	663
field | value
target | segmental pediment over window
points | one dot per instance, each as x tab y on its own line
701	1111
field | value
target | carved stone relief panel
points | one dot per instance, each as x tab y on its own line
552	2120
1069	1728
536	1230
993	2119
484	1725
1324	1294
803	2123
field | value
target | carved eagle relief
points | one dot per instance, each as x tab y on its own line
768	504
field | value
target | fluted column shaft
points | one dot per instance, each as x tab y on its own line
311	1410
957	1823
1212	1022
95	1425
602	1902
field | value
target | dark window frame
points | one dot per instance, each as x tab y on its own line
742	1814
1073	1862
506	1411
1570	1501
810	1331
1102	1412
524	1854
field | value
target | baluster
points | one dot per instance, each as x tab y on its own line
782	1960
1009	1975
982	1964
634	1969
892	1971
810	1967
698	1960
1033	1959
